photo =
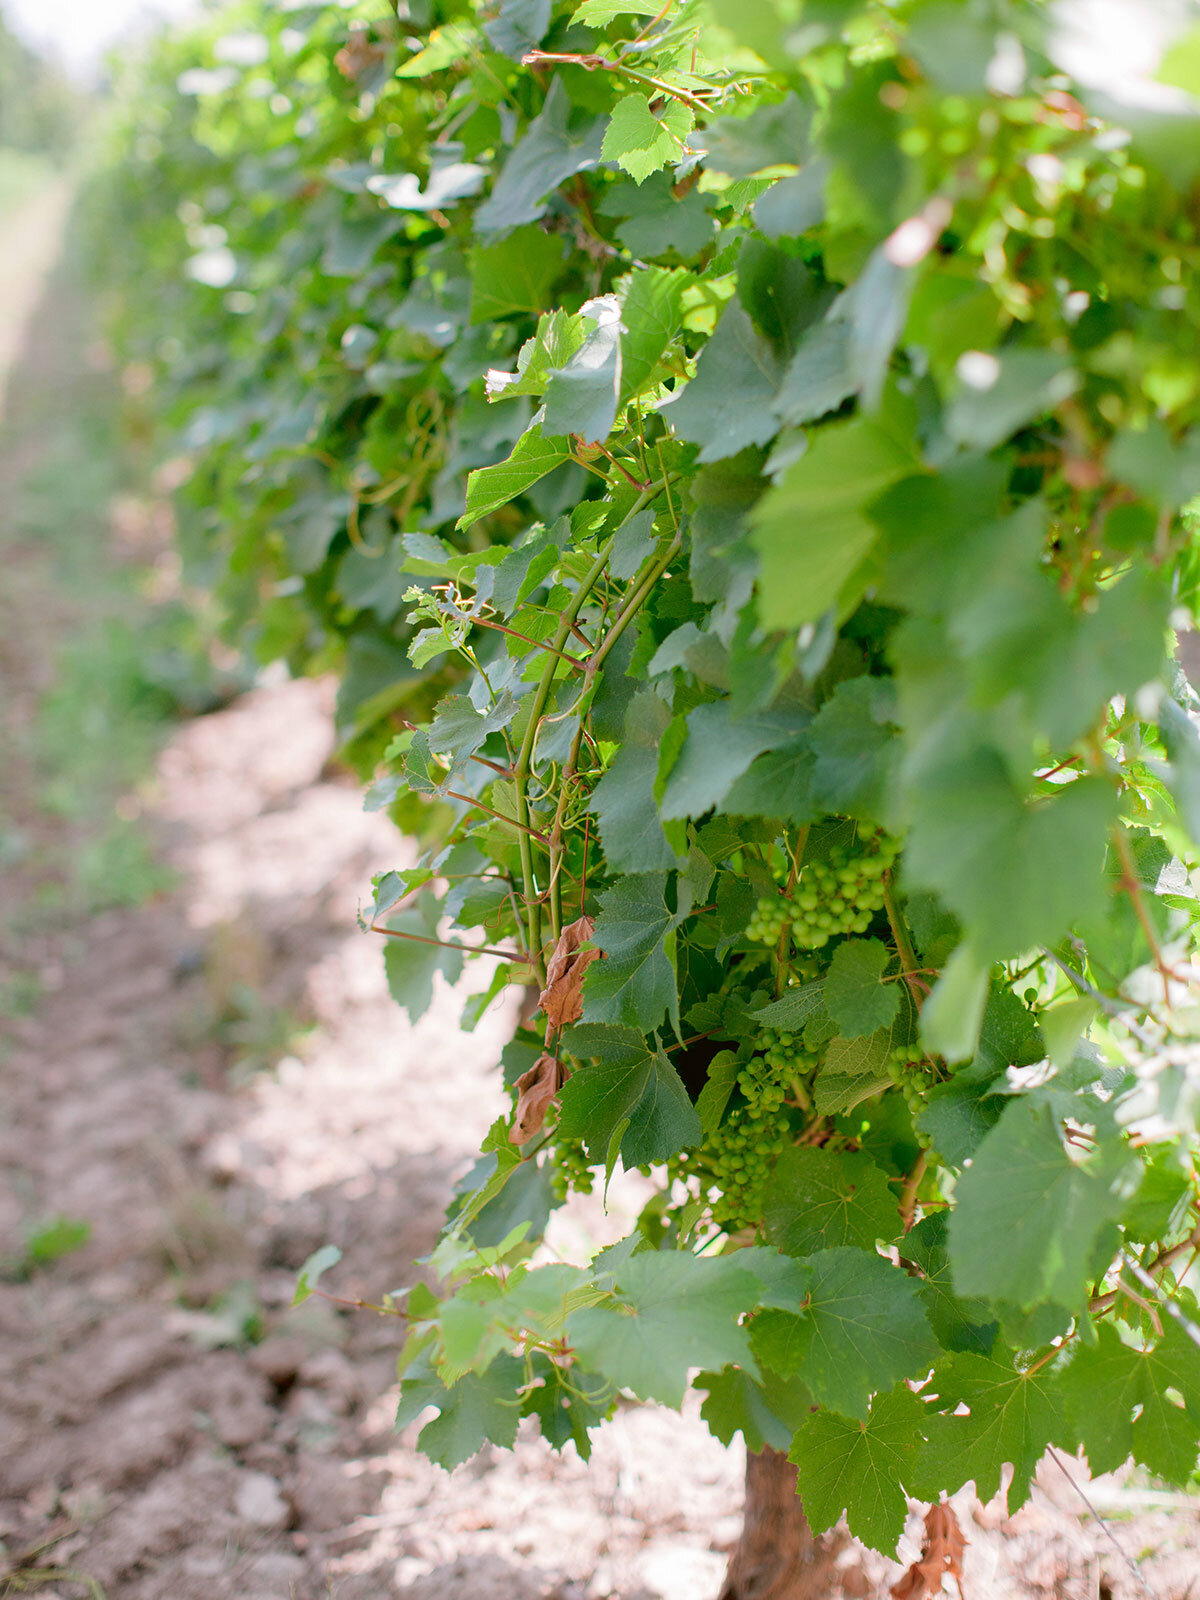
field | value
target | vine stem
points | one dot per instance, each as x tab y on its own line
589	63
631	607
453	794
908	1195
1129	882
356	1304
793	874
446	944
556	832
908	956
1164	1259
541	695
534	644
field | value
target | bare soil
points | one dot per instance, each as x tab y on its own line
169	1429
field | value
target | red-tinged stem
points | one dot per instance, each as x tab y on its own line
446	944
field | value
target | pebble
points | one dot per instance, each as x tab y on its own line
260	1501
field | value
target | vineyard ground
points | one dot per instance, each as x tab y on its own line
202	1063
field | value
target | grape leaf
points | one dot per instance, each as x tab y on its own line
581	397
793	205
772	135
515	274
820	1199
1027	1217
320	1261
863	1329
1182	743
853	1070
557	144
652	313
475	1411
674	1311
953	1013
642	140
856	997
635	983
1000	394
818	378
854	743
957	1324
718	748
777	783
557	338
628	1082
765	1412
520	27
1016	876
858	1468
811	528
655	221
1011	1417
793	1008
458	729
532	458
412	965
566	1407
727	404
623	800
1137	1417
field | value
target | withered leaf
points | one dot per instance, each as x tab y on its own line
941	1556
562	998
537	1090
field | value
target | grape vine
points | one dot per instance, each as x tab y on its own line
746	475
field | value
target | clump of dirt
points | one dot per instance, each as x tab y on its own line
218	1083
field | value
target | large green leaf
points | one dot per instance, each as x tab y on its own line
859	1468
811	529
644	135
1016	875
1119	1400
629	1092
674	1311
856	997
556	145
764	1412
727	404
492	487
718	748
1027	1215
515	274
635	983
412	964
475	1411
819	1199
1005	1416
863	1328
623	800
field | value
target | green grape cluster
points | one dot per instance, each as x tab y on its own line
737	1159
838	894
570	1169
908	1068
749	1140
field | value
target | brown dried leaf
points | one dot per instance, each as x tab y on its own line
562	998
537	1090
941	1556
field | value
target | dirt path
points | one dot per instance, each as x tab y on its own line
29	242
216	1081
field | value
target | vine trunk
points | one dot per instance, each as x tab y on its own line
778	1557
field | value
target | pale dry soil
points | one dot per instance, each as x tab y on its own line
144	1445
